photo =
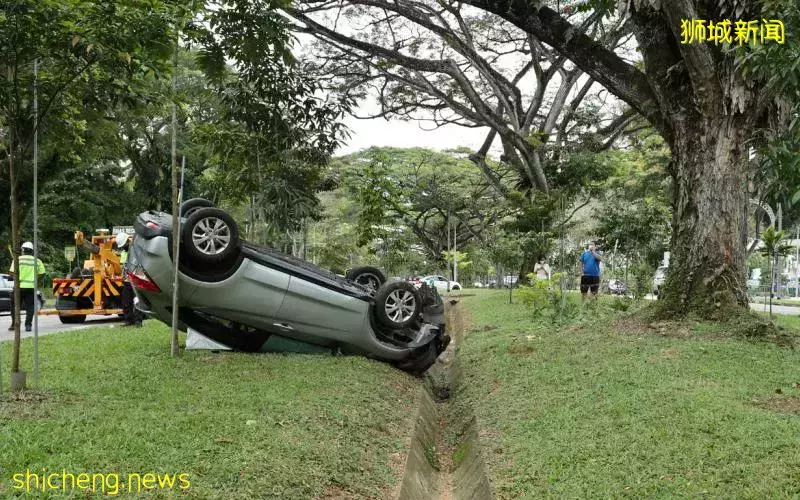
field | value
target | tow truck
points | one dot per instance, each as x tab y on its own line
95	289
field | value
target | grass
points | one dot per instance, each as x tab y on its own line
241	425
604	407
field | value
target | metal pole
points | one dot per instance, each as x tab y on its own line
455	252
177	255
448	244
797	264
35	223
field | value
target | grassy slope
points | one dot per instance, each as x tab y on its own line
242	426
592	411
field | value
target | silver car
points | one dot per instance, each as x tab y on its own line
256	299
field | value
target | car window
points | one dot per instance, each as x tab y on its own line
442	278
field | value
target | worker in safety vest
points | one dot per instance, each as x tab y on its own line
26	277
132	316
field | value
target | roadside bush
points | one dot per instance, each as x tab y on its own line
537	295
621	305
544	294
642	279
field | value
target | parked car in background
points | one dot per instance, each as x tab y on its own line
510	281
440	283
7	289
617	287
478	284
755	278
658	278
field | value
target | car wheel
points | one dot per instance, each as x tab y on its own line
397	304
69	305
210	236
455	287
370	277
189	207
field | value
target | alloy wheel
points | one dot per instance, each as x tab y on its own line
400	305
211	235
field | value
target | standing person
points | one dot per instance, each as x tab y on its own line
26	277
542	269
590	272
130	314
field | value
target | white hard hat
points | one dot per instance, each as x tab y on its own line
121	239
27	245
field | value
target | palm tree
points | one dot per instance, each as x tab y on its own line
774	246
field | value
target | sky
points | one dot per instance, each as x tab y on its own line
407	134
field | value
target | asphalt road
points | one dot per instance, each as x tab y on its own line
51	324
787	310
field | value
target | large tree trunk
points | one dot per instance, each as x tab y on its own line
707	264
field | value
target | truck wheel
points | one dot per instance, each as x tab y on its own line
189	207
397	305
370	277
69	304
77	318
210	236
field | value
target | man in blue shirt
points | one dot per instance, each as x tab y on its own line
590	272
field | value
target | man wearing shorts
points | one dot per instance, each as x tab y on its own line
590	272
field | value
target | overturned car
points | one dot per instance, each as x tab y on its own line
256	299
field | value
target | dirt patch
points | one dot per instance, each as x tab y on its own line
670	353
632	325
213	358
32	405
779	403
336	492
666	354
520	349
26	397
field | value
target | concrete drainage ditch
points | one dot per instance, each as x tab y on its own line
445	458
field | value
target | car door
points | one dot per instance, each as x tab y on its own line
321	314
252	296
5	294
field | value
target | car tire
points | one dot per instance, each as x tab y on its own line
67	305
455	287
397	305
368	276
189	207
210	236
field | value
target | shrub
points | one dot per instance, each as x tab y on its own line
642	279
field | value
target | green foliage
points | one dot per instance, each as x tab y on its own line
773	243
376	195
537	295
642	272
546	295
413	190
507	251
635	213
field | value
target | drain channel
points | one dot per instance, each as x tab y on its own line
445	460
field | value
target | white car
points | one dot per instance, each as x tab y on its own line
441	283
659	278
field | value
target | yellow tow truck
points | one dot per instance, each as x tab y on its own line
95	289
